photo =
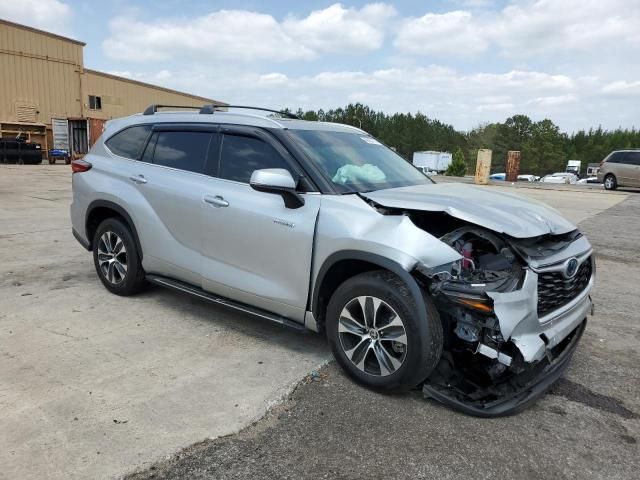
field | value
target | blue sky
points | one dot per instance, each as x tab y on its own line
464	62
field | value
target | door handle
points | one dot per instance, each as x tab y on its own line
216	201
139	179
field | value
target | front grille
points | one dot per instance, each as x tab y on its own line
554	290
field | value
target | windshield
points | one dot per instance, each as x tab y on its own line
357	162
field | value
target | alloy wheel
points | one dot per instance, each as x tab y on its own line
372	336
608	182
112	257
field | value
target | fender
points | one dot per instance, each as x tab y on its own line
382	262
120	211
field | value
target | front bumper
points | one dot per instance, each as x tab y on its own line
520	391
539	348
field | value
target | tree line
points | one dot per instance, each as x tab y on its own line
544	148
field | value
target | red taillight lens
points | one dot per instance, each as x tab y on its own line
79	166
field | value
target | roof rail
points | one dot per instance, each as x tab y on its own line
151	109
210	109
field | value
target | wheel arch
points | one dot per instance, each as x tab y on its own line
100	210
344	264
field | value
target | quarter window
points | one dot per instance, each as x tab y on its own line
182	150
240	156
129	142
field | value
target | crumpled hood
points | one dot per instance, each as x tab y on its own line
501	212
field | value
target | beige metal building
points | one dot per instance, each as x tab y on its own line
48	96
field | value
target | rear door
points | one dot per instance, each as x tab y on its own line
255	250
170	180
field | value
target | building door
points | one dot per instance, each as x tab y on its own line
60	131
78	136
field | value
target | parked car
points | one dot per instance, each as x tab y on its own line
19	150
501	177
584	181
560	177
528	178
479	296
620	169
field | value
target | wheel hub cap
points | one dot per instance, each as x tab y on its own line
112	258
372	336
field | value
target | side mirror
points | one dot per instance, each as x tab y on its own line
278	181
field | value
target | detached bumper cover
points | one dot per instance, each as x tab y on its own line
519	391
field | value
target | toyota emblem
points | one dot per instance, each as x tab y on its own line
571	267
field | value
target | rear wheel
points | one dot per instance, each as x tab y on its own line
117	259
610	182
376	335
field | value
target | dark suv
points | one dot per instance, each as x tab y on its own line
19	150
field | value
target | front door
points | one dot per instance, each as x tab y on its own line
256	250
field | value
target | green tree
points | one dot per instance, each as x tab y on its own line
543	151
458	166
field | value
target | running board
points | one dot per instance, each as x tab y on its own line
198	292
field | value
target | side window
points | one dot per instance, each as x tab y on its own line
129	142
632	158
616	157
240	156
147	156
183	150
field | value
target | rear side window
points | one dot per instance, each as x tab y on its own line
240	156
182	150
129	142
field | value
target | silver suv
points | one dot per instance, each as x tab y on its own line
480	297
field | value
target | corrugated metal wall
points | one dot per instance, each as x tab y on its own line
42	76
120	96
38	71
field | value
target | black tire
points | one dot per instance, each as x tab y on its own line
134	279
423	339
612	182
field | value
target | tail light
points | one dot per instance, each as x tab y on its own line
79	166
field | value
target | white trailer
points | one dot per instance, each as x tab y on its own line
431	161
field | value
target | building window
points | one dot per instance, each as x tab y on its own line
95	102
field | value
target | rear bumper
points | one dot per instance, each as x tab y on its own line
526	388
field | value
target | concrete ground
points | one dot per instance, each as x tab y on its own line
94	386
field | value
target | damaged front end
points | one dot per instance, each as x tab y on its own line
512	312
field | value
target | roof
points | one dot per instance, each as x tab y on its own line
230	118
151	85
41	32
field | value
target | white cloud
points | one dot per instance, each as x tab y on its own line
462	99
50	15
442	35
622	87
226	34
340	29
242	35
524	28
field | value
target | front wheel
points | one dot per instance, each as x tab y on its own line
376	335
610	182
